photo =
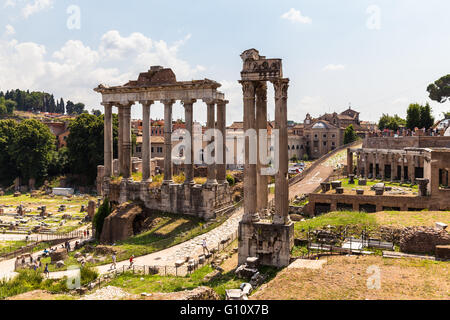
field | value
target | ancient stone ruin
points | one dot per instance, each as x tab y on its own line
160	84
269	242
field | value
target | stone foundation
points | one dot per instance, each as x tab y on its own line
202	201
320	203
270	243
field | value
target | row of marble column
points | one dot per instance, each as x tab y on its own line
216	172
394	160
255	118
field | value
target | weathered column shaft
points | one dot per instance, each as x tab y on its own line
393	168
374	166
349	162
120	142
168	178
211	124
146	143
402	178
221	126
366	166
189	119
108	141
250	211
126	144
281	179
261	124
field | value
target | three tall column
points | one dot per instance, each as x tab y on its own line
221	157
189	119
146	144
261	124
108	140
282	179
250	180
168	178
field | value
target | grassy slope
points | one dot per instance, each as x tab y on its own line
372	221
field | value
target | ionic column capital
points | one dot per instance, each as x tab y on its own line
107	104
147	103
167	102
209	101
124	104
222	102
188	102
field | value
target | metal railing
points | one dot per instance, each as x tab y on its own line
166	270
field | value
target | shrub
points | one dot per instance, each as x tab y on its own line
88	274
103	211
231	180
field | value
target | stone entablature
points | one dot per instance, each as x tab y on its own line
406	142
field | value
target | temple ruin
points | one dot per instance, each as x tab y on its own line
270	242
160	84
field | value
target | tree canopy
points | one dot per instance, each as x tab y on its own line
85	144
350	135
440	90
391	123
38	101
419	116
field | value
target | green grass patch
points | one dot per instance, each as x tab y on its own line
156	283
338	219
370	183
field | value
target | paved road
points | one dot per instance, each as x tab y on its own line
193	247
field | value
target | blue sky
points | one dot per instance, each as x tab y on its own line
377	55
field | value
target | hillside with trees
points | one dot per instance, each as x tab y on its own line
37	102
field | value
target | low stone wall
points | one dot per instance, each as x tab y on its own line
406	142
378	203
197	200
423	240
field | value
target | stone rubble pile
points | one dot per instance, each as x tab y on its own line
423	240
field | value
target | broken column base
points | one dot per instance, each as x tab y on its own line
270	243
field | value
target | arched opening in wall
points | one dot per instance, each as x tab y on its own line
391	208
344	207
415	209
368	208
387	171
418	173
321	208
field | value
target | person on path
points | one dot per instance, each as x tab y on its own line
46	272
131	261
205	247
113	261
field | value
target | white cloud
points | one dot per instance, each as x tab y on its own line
334	67
36	6
9	30
10	3
294	15
75	69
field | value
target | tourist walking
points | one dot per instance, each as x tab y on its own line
113	261
46	272
205	247
131	261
